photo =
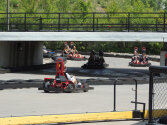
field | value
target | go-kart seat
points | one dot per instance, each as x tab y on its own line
62	78
58	79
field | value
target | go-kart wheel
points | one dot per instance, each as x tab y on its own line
46	91
84	66
149	64
86	86
70	88
49	55
130	63
46	85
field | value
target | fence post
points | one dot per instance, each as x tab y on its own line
93	22
128	22
40	23
68	21
115	96
135	94
25	23
156	24
150	97
8	21
97	23
164	22
58	22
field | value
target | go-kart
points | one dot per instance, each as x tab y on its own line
47	53
71	53
75	57
61	84
94	66
55	58
141	60
95	61
139	64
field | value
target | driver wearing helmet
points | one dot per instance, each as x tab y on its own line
92	57
143	58
101	58
71	78
135	56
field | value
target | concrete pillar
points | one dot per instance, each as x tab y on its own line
18	54
162	58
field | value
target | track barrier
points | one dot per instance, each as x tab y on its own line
157	93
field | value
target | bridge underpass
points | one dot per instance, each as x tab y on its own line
15	54
25	48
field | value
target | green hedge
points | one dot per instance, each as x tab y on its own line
121	47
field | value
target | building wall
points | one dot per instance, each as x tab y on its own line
17	54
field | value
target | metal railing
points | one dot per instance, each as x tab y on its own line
124	80
136	113
84	22
157	93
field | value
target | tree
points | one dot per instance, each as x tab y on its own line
63	5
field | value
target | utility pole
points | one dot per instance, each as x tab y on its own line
8	15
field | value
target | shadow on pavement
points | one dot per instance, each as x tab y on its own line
108	72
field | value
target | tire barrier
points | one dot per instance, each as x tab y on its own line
33	67
55	58
2	71
36	83
18	83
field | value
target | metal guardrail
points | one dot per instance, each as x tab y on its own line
84	22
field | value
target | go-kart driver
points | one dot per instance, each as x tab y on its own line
135	57
72	51
143	58
75	53
68	51
44	49
92	57
71	78
101	58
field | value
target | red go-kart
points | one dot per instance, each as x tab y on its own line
71	53
61	83
140	60
137	63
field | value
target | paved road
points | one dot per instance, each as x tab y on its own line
118	67
23	102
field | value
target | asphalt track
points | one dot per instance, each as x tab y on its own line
118	67
26	102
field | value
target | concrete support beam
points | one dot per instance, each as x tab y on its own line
17	54
85	36
162	58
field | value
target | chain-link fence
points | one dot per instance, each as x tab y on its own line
84	22
157	93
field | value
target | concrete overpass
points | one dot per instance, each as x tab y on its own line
25	48
85	36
